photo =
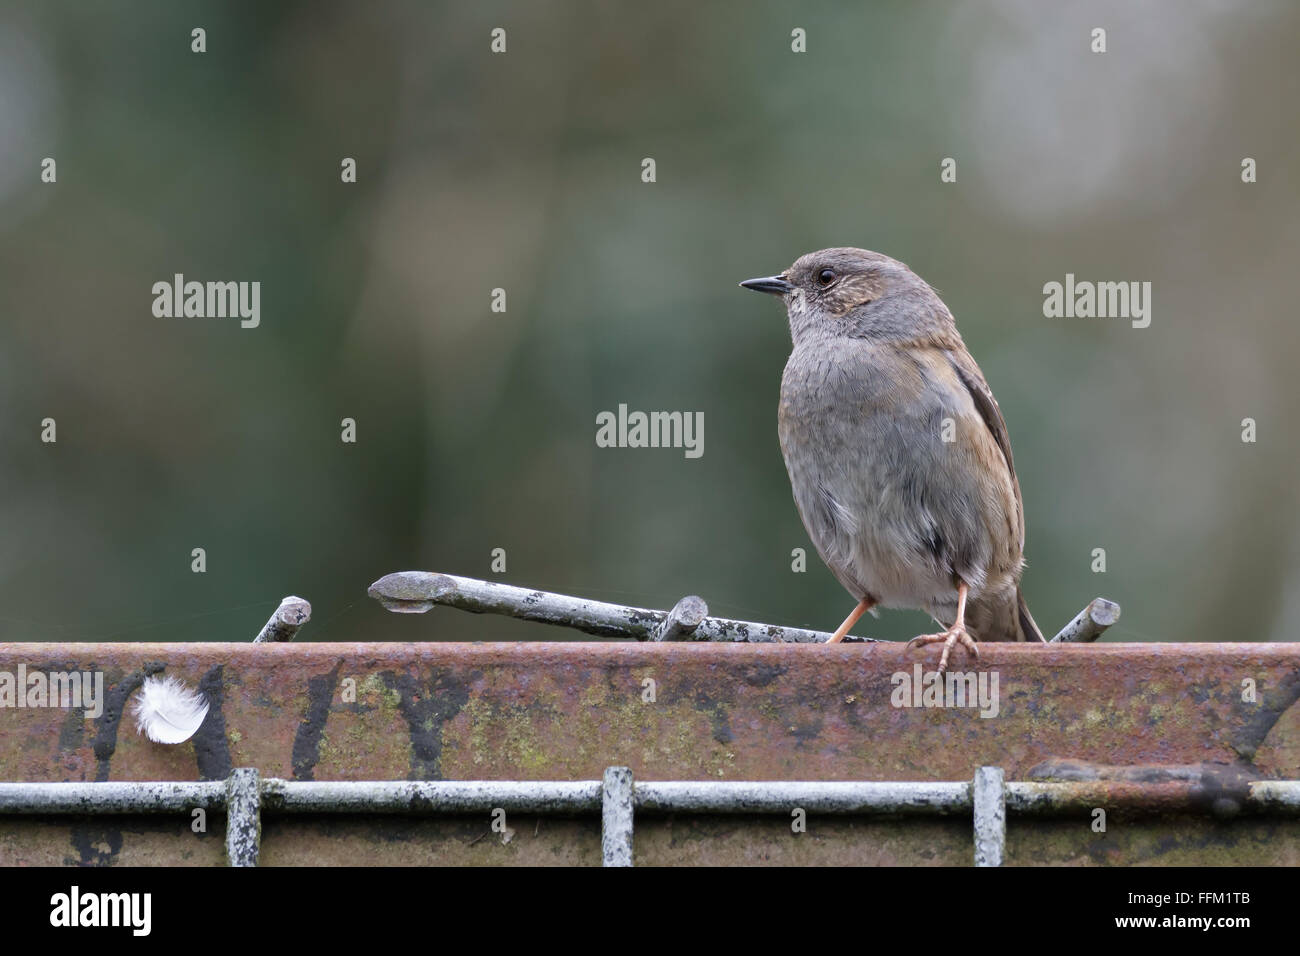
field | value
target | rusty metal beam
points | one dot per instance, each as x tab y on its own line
671	710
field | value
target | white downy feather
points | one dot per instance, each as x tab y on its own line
168	712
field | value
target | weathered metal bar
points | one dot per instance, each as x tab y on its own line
989	797
1276	794
243	817
687	614
420	796
616	817
1148	797
564	797
1090	623
111	797
414	592
283	624
814	797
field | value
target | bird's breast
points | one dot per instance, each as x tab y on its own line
893	508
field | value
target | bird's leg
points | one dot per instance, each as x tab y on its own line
865	605
956	634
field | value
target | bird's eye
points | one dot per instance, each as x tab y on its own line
826	277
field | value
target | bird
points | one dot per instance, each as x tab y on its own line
897	452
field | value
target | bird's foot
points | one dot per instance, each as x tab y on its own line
956	634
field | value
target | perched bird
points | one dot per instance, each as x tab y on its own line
897	452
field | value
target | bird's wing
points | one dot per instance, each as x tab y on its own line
987	405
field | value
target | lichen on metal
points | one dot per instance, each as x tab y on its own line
111	797
243	817
781	796
617	808
425	796
990	811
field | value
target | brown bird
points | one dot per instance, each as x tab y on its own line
897	452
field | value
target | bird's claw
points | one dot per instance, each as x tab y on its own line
956	634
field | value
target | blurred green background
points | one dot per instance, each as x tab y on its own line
476	430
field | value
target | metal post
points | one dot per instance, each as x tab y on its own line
243	816
616	817
990	801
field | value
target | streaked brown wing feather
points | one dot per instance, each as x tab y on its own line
987	406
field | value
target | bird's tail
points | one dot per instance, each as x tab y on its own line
1028	627
1005	618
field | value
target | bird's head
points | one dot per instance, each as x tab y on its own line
855	293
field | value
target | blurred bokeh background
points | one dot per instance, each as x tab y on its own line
522	171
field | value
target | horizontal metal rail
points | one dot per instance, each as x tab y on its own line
244	796
111	797
781	797
417	796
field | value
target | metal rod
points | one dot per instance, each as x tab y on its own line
813	797
687	615
243	816
292	614
111	797
704	796
414	592
421	796
616	816
1179	796
1090	623
989	796
1276	794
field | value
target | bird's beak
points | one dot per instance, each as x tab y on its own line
776	285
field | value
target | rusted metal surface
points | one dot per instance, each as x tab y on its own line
686	712
567	711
